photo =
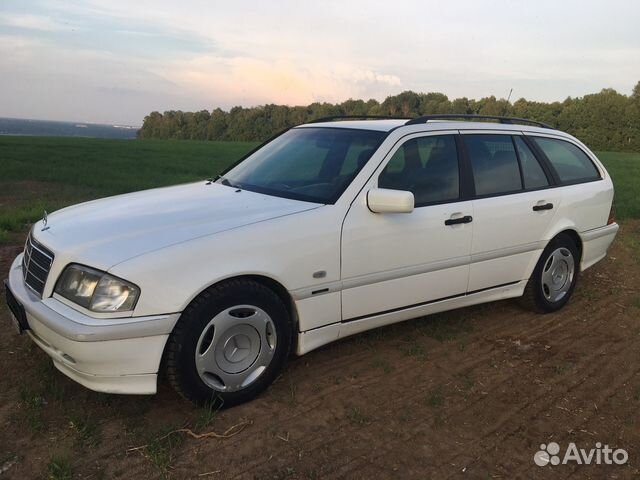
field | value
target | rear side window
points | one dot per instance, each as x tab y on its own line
494	163
570	162
532	173
426	166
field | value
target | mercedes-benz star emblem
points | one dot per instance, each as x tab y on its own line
44	222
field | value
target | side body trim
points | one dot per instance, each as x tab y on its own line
369	279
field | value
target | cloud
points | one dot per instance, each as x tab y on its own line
196	54
231	81
365	76
32	22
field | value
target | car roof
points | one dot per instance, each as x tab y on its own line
386	125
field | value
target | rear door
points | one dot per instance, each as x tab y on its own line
513	207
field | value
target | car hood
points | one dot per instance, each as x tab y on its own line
103	233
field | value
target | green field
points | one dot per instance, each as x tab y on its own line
38	173
624	168
48	173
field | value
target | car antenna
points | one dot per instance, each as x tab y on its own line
508	98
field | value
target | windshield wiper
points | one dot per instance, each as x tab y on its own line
225	181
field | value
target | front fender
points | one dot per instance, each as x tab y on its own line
288	250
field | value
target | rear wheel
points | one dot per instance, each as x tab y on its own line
554	277
229	344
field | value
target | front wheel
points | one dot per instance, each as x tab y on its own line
229	344
554	277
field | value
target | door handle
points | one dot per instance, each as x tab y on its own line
455	221
545	206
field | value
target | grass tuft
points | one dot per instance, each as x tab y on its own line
357	416
32	403
161	448
415	350
292	394
206	416
444	327
435	399
87	430
383	363
60	468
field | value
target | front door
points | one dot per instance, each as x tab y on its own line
395	260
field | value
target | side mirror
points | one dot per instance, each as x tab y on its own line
383	200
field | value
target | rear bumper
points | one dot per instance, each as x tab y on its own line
115	355
595	244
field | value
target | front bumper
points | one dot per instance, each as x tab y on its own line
115	355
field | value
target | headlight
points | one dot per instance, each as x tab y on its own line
95	290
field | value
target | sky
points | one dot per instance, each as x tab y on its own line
114	61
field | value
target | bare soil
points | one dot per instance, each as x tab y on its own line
470	393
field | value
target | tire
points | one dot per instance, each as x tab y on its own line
229	344
546	292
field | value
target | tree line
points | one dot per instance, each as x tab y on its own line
607	120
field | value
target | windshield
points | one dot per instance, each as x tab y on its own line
310	164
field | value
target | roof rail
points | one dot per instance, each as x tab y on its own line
453	116
357	117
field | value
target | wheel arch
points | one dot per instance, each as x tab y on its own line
530	298
566	230
273	285
284	295
575	237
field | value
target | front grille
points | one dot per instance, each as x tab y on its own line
36	264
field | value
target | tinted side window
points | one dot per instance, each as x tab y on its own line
532	173
494	164
570	162
426	166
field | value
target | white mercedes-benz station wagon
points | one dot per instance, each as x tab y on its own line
329	229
